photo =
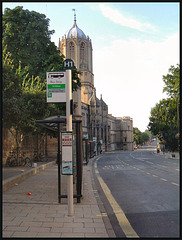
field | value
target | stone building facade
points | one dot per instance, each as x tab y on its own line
120	133
97	125
93	111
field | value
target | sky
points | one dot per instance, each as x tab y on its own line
134	45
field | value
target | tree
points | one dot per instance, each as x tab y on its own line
24	101
13	105
172	87
11	94
164	119
27	37
145	137
140	137
137	136
163	123
172	82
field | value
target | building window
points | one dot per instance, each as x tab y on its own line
72	50
82	51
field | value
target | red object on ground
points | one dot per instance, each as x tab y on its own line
29	193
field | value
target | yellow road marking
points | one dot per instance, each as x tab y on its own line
154	176
95	165
122	219
102	215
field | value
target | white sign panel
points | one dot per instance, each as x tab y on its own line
56	86
67	152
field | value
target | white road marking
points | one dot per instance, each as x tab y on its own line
163	179
149	162
175	184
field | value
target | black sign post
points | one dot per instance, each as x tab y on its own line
59	163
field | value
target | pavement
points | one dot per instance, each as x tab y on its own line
31	209
169	155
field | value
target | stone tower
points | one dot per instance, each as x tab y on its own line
76	46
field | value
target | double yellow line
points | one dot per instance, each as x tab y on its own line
122	219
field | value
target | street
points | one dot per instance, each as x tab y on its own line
146	188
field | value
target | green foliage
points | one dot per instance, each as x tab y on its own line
145	137
140	137
172	82
27	37
137	136
24	100
11	94
163	122
164	119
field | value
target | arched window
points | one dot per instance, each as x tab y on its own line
71	50
82	52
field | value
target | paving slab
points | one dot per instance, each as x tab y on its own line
40	215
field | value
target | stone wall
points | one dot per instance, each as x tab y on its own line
31	143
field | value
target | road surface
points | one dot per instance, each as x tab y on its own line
140	192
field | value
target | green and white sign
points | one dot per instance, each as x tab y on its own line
56	86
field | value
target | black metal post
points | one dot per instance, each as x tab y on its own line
86	146
90	149
79	160
59	171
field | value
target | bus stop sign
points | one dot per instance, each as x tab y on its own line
56	87
68	64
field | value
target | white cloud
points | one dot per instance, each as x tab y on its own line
128	73
127	21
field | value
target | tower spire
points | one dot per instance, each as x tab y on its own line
74	15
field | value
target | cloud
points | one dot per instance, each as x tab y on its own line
127	21
128	74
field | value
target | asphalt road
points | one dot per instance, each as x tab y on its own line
146	187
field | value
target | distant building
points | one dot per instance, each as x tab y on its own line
120	133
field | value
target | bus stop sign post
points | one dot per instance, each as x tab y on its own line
69	64
59	89
69	129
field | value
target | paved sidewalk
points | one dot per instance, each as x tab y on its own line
169	155
12	175
40	214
